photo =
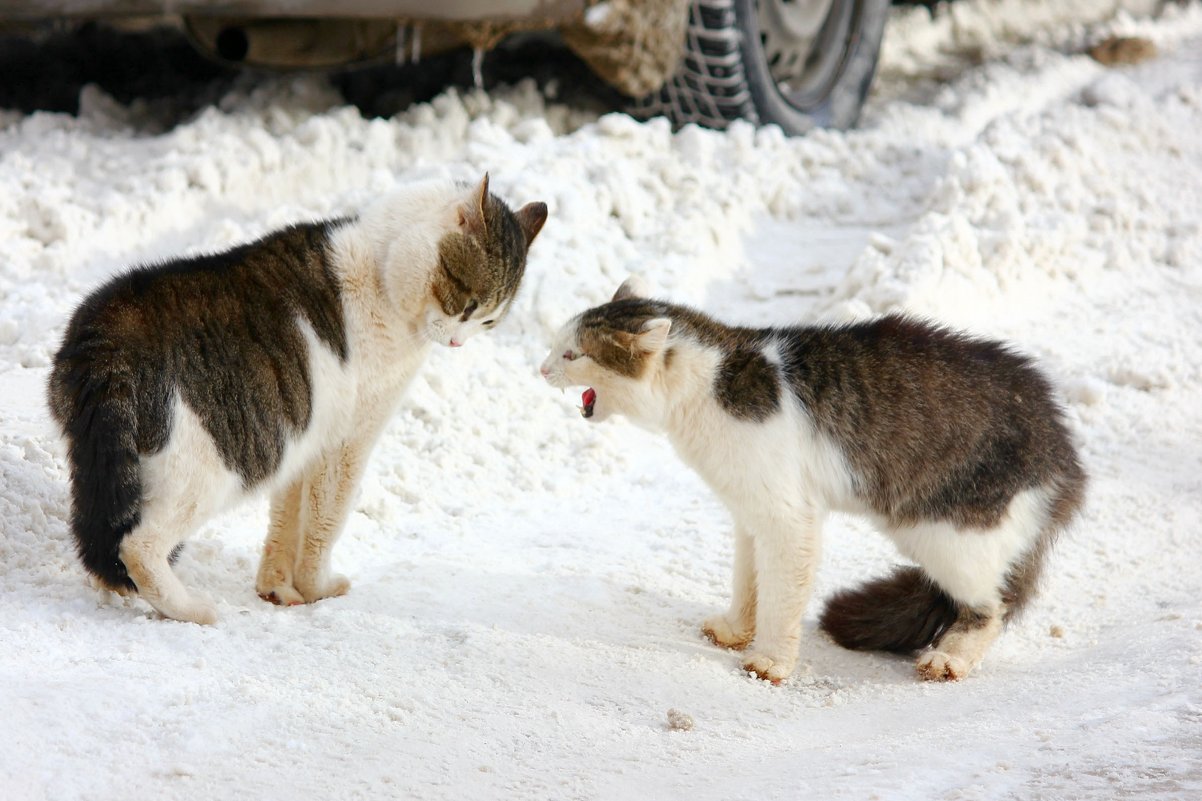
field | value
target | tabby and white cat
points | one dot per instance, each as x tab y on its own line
185	387
953	446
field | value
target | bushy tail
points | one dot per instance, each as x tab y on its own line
902	613
95	407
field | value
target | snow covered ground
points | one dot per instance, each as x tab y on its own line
528	587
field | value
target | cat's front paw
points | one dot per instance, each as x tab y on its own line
773	668
274	584
280	594
721	633
938	666
328	587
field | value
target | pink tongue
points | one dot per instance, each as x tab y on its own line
589	397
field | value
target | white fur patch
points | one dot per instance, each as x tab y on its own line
187	480
332	405
971	564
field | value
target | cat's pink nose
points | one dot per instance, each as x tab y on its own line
544	372
456	343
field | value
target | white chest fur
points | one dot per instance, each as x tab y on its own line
780	461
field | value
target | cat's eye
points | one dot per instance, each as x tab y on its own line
471	308
570	355
490	322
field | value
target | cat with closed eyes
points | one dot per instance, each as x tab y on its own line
953	446
185	387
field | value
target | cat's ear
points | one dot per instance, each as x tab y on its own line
632	287
654	336
471	211
531	218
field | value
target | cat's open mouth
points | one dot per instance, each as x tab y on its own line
588	398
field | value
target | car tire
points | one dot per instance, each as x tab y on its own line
798	64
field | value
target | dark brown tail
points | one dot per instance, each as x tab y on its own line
901	613
95	408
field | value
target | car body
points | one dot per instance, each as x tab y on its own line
794	63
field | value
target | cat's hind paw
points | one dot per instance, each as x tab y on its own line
200	612
187	610
938	666
720	632
766	667
331	586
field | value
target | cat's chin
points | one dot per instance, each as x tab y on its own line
435	337
436	331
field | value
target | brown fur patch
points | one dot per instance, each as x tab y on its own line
1117	50
938	426
747	385
616	351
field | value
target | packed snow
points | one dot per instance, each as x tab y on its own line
527	587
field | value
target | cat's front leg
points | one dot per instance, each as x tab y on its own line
735	628
329	489
275	580
786	555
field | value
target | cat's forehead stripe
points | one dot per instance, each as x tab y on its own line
622	315
632	314
485	268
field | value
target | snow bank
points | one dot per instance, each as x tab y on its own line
527	588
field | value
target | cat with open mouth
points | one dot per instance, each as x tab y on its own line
954	446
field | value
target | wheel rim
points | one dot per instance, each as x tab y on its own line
805	44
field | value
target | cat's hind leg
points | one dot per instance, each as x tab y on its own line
146	552
974	567
183	485
736	628
969	567
277	567
962	646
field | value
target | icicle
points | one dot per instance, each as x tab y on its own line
417	43
478	67
399	56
